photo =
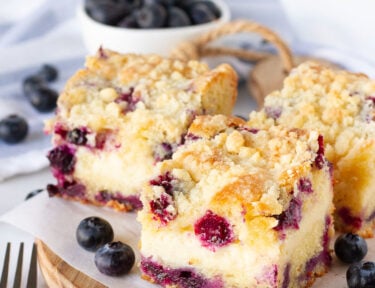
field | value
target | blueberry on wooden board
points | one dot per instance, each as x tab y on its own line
114	259
361	275
350	248
93	232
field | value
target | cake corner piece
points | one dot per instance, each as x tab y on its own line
238	207
341	106
122	114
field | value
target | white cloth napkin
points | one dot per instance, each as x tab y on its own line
46	33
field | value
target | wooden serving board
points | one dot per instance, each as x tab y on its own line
59	274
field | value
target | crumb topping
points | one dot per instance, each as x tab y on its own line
337	103
229	164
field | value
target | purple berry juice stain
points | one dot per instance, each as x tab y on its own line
213	231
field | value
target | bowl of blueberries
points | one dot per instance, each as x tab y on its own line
147	26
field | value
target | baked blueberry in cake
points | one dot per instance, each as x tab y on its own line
121	115
341	106
237	206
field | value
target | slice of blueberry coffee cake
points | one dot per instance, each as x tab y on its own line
121	115
238	207
341	106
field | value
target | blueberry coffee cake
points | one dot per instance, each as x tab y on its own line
341	106
237	206
121	115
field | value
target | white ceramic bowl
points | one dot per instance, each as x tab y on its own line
160	41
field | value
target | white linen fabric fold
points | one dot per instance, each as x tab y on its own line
330	24
46	34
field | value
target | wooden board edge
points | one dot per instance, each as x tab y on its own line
59	274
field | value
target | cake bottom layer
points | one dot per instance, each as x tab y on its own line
76	191
293	259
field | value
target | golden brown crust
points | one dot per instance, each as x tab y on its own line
246	188
208	126
214	96
116	205
278	158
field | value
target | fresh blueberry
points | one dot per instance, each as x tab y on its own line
33	193
165	3
361	275
114	259
201	13
77	136
107	12
350	248
133	4
212	6
151	16
43	99
93	232
62	159
13	129
177	17
91	4
129	21
30	84
47	73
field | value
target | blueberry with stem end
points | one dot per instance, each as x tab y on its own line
151	16
93	232
114	259
13	129
350	248
361	275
